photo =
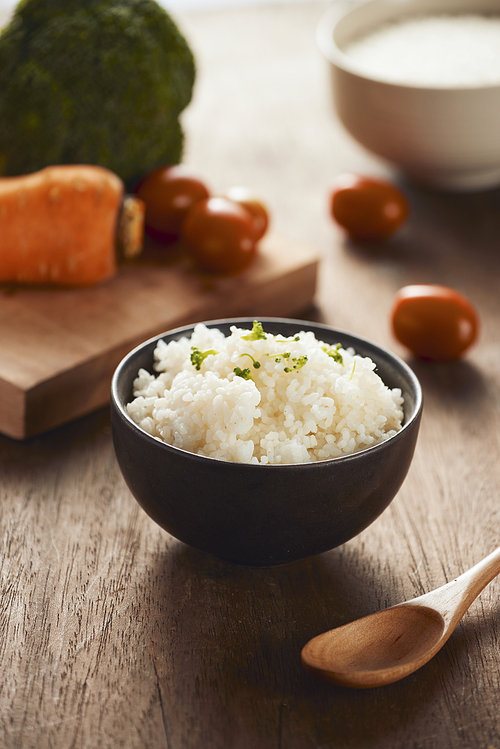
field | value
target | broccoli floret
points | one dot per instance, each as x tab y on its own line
255	363
92	81
298	363
198	356
334	353
245	374
256	333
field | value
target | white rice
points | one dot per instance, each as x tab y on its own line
319	409
441	50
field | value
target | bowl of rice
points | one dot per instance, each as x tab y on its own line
418	84
264	442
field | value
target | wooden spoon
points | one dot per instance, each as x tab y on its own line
391	644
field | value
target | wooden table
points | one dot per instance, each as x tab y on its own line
115	634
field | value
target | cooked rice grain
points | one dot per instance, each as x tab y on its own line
321	410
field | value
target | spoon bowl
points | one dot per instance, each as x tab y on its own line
386	646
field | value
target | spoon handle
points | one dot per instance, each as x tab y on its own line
454	598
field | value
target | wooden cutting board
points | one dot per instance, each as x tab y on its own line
59	347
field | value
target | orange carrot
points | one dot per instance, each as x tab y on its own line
58	226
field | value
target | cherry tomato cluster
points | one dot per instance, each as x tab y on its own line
436	323
221	232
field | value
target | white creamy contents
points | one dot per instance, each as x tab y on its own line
304	400
437	51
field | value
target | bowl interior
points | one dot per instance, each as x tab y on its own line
444	136
338	30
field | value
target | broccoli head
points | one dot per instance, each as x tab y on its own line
92	82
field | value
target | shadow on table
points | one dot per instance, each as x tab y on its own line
449	238
234	647
458	383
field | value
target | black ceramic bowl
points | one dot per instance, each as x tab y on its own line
264	514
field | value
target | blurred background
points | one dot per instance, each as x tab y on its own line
184	5
214	4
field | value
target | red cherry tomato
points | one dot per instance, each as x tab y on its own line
219	234
169	192
435	322
369	209
254	205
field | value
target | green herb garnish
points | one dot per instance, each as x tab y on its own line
256	364
198	357
244	373
257	332
334	353
299	362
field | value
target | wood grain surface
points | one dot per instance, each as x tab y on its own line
60	347
113	633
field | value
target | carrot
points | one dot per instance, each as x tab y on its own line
59	226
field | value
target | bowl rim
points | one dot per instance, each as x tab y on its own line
185	329
325	40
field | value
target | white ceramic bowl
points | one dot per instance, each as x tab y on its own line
448	138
